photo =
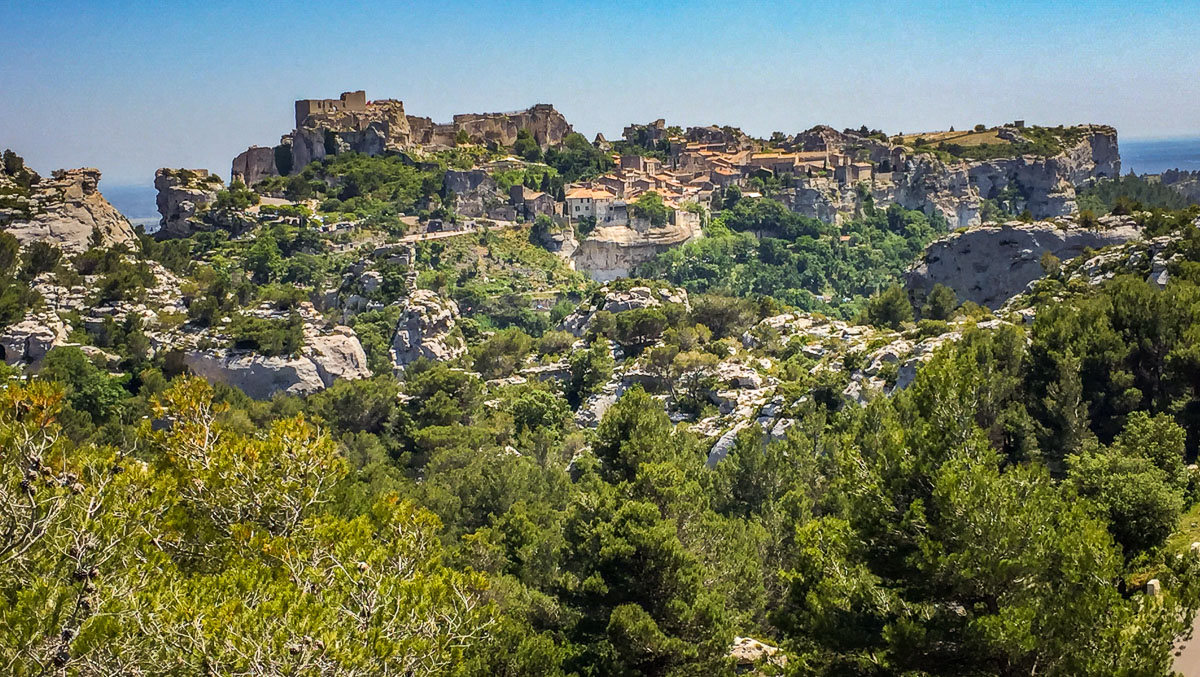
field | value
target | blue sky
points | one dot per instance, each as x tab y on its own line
132	86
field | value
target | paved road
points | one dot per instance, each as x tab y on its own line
1187	663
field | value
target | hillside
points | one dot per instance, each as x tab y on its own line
405	412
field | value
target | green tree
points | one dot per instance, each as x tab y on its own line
889	308
940	303
650	206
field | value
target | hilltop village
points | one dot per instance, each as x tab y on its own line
623	202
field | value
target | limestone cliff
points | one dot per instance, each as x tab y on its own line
614	251
253	165
325	358
383	126
427	330
64	210
990	264
1046	186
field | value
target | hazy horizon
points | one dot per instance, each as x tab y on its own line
130	89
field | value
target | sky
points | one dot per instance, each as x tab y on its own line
132	86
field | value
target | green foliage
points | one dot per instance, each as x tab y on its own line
590	369
577	159
775	252
526	147
940	304
267	336
237	197
502	353
650	206
40	257
889	308
1128	194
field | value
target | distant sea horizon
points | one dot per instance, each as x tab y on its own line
1155	156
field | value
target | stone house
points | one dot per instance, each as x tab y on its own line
530	203
591	202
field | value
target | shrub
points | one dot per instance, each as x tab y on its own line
267	336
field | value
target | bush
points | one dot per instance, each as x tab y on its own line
890	308
267	336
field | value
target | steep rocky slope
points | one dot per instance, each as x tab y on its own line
955	189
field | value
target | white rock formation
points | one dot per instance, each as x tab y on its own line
30	339
614	251
990	264
426	329
65	210
323	360
182	194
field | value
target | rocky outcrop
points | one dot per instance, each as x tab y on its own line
253	165
28	341
619	301
323	359
614	251
427	330
66	210
547	126
990	264
382	127
477	195
955	190
183	194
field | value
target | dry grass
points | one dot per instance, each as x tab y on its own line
964	138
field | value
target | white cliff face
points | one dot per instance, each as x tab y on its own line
426	330
614	251
990	264
253	165
1045	185
29	340
65	210
324	359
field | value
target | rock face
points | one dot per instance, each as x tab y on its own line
323	360
616	301
990	264
426	329
614	251
955	190
476	194
30	339
382	126
253	165
182	194
64	210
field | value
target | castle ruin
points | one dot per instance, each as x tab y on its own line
355	102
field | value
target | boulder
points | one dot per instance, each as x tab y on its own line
614	251
990	264
258	376
425	330
29	340
338	355
323	359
